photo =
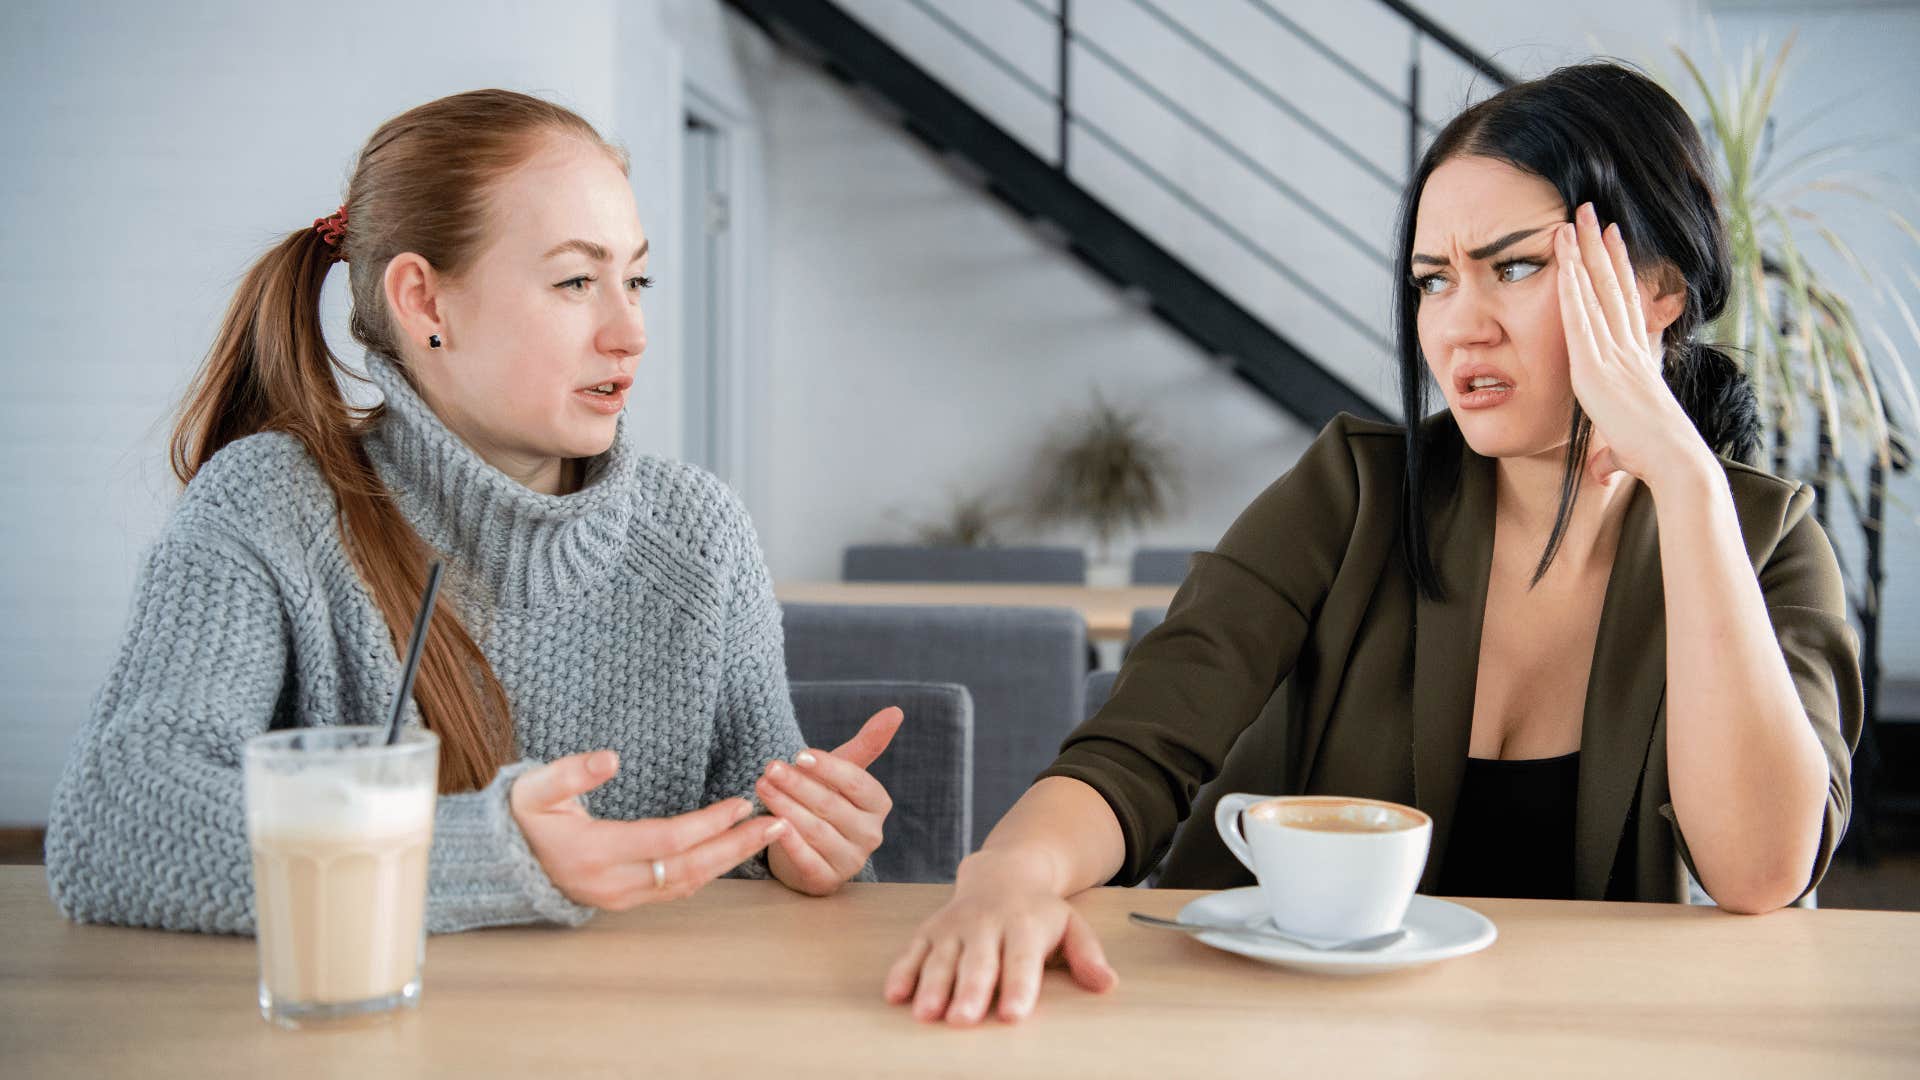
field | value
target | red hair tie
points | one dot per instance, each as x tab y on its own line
333	230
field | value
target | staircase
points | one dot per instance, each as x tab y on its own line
1225	282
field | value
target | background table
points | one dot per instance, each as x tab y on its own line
747	978
1107	609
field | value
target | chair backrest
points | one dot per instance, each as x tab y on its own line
928	769
908	562
1099	689
1022	665
1160	566
1144	619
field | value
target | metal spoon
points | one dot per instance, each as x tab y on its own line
1254	929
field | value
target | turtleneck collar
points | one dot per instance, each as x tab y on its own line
512	541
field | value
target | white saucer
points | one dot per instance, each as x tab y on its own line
1436	930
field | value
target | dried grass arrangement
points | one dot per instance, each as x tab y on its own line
1107	471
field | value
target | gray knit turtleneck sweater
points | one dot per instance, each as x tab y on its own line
635	614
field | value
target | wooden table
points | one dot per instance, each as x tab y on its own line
1108	609
748	978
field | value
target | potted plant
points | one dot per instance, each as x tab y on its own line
969	521
1107	471
1834	389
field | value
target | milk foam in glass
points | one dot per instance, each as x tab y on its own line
340	825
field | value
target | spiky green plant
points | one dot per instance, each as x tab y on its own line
1803	344
1813	362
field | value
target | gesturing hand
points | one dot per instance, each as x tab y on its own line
619	864
1639	427
837	809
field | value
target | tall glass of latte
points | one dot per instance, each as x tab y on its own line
340	824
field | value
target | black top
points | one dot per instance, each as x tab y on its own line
1512	830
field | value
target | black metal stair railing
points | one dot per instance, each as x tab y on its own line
1259	353
1037	188
1069	121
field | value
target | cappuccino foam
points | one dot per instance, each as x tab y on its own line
1334	815
316	805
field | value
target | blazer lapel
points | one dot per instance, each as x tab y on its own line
1626	687
1447	649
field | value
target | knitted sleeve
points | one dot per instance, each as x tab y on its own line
148	822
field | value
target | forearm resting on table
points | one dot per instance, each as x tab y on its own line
1061	831
1748	777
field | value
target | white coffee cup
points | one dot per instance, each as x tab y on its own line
1330	867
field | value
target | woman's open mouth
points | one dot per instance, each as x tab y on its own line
607	397
1481	387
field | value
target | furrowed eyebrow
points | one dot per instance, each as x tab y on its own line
1481	252
1503	243
594	251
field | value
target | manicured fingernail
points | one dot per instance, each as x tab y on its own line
606	762
806	758
777	830
775	768
1586	211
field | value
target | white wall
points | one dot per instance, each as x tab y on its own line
925	342
152	152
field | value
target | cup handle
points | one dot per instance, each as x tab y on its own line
1226	819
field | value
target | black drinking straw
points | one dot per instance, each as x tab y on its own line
412	667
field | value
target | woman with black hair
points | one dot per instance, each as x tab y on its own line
1562	617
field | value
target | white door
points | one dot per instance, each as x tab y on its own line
711	382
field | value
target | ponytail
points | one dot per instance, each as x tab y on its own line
1719	399
270	370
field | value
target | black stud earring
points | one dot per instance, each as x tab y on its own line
433	341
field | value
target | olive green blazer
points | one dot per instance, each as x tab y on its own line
1298	658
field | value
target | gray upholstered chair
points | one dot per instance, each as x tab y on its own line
1099	689
1160	566
928	769
1024	667
908	562
1144	619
